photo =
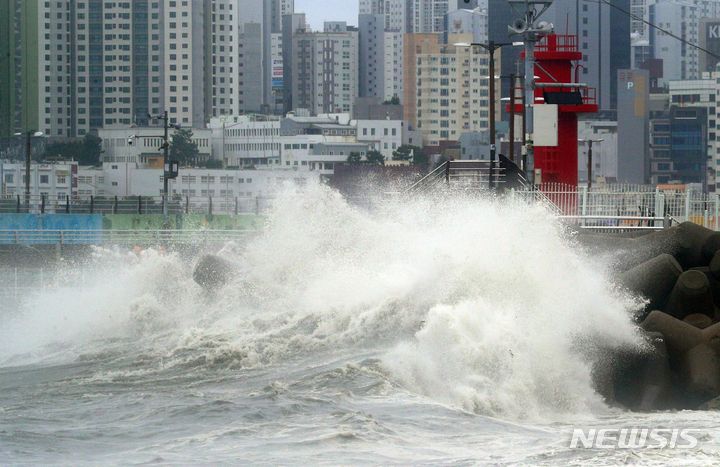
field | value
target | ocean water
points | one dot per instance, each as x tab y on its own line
421	332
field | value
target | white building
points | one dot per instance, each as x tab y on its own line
247	140
143	145
54	181
220	184
382	135
466	21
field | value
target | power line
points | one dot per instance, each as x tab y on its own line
655	26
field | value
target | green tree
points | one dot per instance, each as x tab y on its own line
183	149
375	157
407	152
86	150
395	100
354	158
89	150
62	151
213	164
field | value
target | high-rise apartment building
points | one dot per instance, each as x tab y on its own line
293	24
427	16
380	59
278	9
108	64
452	89
260	26
18	66
325	69
223	77
382	24
415	45
185	54
394	13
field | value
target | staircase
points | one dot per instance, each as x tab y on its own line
472	175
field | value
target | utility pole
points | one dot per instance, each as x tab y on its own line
512	118
28	149
28	158
169	168
589	160
166	162
491	47
523	147
527	26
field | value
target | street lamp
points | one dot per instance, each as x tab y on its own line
28	152
168	171
589	161
531	30
491	47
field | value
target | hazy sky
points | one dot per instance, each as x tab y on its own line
318	11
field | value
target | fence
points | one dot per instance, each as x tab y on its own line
601	205
41	204
118	237
630	205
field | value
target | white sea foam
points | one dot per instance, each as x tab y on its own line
481	305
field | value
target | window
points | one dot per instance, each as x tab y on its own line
61	179
44	179
9	178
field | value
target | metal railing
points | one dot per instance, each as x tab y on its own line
119	237
603	204
465	174
41	204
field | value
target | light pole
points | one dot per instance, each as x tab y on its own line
589	160
28	157
531	30
168	171
491	47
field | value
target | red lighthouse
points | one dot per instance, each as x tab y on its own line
556	83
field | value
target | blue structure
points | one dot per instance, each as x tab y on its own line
44	229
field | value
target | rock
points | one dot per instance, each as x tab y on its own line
714	266
679	336
711	332
213	272
698	320
711	247
712	404
701	371
691	294
653	279
643	380
688	243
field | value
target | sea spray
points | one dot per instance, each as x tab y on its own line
478	304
